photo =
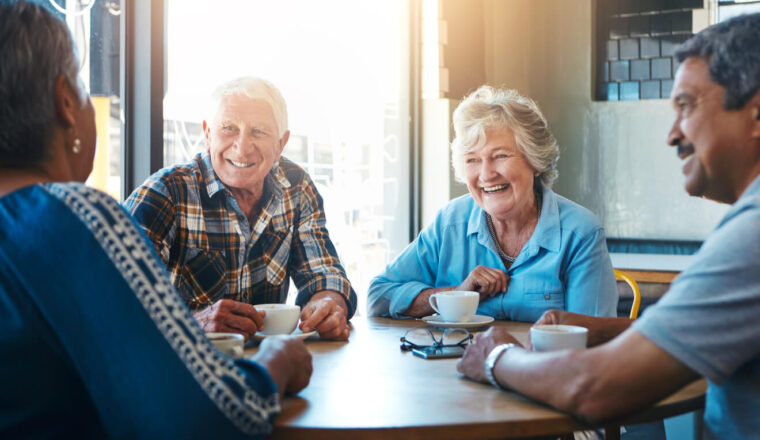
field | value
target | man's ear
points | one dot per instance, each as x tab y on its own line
207	133
66	102
755	104
283	142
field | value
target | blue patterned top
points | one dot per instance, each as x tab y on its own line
94	339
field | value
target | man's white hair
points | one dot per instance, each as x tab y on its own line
255	88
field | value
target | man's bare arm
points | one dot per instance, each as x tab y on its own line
625	375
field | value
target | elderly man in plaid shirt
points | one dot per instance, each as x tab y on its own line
238	221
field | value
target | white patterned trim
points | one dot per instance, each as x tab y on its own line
130	254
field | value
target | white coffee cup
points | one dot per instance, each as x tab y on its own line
455	305
280	319
230	344
548	337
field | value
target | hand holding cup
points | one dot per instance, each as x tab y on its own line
288	362
279	319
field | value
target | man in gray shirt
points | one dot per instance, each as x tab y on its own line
707	324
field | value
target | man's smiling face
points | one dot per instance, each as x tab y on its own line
707	136
243	142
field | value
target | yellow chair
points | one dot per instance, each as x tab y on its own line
622	276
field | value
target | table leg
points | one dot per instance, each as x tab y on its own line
698	417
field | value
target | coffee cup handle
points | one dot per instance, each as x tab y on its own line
432	303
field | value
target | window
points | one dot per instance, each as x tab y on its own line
95	28
730	8
635	45
636	42
343	69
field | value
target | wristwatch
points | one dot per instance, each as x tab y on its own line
491	360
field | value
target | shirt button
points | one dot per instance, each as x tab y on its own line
547	296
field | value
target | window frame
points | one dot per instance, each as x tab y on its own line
143	50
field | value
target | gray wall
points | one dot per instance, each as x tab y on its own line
614	157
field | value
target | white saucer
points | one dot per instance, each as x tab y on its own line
476	321
297	333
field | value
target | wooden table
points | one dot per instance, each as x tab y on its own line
368	388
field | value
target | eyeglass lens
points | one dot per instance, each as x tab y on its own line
426	337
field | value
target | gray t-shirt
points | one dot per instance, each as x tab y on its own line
710	320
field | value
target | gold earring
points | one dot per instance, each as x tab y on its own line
77	147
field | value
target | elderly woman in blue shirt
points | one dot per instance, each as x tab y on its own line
524	248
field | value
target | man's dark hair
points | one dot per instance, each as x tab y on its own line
35	49
731	49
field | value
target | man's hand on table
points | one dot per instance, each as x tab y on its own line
227	315
472	363
288	362
326	313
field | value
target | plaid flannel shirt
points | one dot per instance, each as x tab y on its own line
211	250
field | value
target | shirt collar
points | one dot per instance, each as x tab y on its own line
278	175
752	189
750	197
547	234
214	184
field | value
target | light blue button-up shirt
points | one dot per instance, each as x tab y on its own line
565	264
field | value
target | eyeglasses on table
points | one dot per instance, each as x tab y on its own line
425	337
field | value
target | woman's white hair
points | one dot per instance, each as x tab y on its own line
490	108
255	88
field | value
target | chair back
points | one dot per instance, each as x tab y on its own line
622	276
